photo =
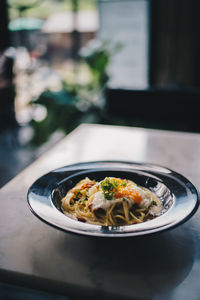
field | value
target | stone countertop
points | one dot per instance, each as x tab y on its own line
161	266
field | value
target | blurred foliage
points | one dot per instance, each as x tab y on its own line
97	55
76	103
63	113
43	9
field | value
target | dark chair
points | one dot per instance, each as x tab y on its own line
173	109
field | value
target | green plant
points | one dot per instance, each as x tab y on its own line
76	103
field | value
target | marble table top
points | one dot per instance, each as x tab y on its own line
161	266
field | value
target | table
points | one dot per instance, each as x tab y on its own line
161	266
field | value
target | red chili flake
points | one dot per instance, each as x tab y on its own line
87	185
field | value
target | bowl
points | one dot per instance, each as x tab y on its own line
178	195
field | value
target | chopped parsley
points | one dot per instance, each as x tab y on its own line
78	195
115	183
81	201
154	203
109	187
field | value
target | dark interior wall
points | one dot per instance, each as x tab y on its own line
4	33
175	43
7	89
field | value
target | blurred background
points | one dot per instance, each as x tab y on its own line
67	62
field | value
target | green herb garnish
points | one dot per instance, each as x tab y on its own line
110	187
154	203
107	188
115	183
78	195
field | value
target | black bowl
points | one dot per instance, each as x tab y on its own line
179	196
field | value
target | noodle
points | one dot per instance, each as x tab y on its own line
111	201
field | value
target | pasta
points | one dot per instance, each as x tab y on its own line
111	201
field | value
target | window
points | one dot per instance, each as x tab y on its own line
127	22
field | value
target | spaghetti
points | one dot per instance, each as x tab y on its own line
111	201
